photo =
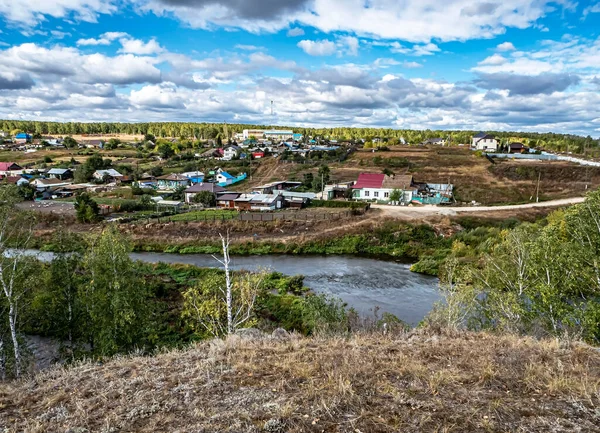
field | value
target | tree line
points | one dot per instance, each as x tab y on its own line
224	131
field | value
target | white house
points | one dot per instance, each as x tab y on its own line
376	186
231	152
111	173
275	134
258	133
4	134
483	141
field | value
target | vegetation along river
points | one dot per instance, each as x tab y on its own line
362	283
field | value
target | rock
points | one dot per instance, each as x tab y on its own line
280	334
250	334
274	425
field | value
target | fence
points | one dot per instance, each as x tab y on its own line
246	216
240	178
545	157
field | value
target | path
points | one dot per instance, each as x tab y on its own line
425	211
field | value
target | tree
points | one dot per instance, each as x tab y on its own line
206	198
86	209
113	143
220	306
149	137
165	150
322	178
396	195
16	271
307	181
115	297
69	142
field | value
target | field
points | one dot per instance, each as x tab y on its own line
402	382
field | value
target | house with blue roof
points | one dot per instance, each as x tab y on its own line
224	177
297	137
22	138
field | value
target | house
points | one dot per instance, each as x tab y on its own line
258	155
297	200
231	152
224	177
516	148
270	188
297	137
375	186
483	141
435	141
60	173
227	200
10	168
15	180
110	175
259	202
22	138
48	184
91	144
194	176
256	133
212	153
172	181
279	135
199	187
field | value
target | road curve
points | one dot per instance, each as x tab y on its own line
430	210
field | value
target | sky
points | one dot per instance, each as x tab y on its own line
524	65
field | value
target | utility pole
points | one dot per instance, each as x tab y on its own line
537	192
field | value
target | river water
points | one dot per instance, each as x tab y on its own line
363	283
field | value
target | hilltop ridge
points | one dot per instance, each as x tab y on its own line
417	381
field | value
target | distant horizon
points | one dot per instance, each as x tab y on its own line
515	65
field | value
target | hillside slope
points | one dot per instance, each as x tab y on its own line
414	382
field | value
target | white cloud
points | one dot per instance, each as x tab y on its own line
350	44
249	47
26	13
136	46
417	21
495	59
416	50
592	9
317	48
506	46
296	31
412	65
104	39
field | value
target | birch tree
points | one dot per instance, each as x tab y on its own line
221	305
16	230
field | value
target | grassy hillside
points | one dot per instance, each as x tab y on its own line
415	382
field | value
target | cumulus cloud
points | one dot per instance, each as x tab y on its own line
15	81
104	39
547	83
28	12
416	50
409	20
412	65
136	46
317	48
506	46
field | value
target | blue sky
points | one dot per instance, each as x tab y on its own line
531	65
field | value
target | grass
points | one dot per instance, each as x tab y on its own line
205	215
417	382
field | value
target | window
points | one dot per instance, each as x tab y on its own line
386	195
376	193
366	193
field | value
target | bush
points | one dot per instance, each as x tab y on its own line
338	204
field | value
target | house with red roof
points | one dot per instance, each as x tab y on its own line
378	186
10	168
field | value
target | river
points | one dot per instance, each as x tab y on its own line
363	283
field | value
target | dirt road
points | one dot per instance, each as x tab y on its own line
417	212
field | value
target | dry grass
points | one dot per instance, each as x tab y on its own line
407	383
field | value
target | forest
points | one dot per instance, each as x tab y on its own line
204	131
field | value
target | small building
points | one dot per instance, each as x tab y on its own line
256	133
224	177
48	184
485	142
23	138
15	180
270	188
297	200
60	173
516	148
231	152
274	134
194	176
109	175
199	187
10	168
227	200
376	186
172	181
258	155
259	202
436	141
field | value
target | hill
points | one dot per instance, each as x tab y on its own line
413	382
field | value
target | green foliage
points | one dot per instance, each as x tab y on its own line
69	142
165	150
396	195
206	198
86	209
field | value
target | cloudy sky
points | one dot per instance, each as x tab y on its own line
531	65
